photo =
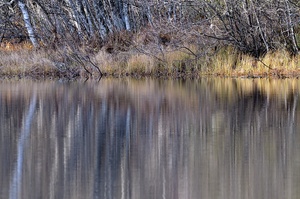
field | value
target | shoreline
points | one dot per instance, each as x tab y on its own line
227	63
172	39
62	76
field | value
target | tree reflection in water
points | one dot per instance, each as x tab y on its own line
207	138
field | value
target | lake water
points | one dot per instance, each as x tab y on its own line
133	139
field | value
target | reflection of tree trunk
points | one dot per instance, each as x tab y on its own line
17	174
27	22
292	119
124	159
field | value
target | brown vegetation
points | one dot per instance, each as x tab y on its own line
170	39
23	61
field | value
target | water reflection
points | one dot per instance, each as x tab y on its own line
210	138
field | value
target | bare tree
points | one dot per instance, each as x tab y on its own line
254	27
27	22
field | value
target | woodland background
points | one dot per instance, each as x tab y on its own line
198	27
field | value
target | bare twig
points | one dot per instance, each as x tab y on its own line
269	67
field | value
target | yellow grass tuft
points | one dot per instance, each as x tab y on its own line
23	62
281	60
140	64
229	62
174	58
8	46
223	62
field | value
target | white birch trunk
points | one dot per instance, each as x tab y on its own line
88	16
75	16
28	24
100	27
261	32
125	13
149	15
101	14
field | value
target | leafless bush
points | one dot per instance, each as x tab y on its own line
252	26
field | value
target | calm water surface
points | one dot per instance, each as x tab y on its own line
134	139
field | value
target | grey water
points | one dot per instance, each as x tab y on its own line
131	139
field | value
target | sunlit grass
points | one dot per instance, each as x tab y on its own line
105	62
140	64
282	61
7	46
22	61
226	62
230	63
177	60
222	63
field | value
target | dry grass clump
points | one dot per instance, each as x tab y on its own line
175	58
24	62
106	62
168	61
282	61
230	63
125	64
140	64
223	62
9	47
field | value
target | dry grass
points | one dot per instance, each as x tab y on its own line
141	64
168	63
230	63
9	47
21	60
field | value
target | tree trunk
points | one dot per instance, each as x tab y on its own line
125	15
28	24
75	16
88	16
291	28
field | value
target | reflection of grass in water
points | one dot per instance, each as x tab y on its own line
189	92
231	89
148	95
278	88
155	90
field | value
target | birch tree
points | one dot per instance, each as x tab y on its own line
254	27
27	23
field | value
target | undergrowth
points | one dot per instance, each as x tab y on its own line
22	60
